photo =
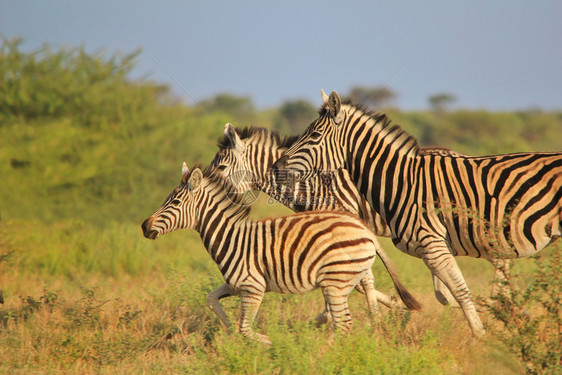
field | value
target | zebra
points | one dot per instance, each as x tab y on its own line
245	157
330	250
437	206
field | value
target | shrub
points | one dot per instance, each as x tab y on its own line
532	317
89	88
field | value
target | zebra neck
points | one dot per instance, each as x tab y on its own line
283	192
267	184
220	216
381	161
264	179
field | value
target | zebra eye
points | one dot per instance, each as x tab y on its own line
176	202
221	167
316	134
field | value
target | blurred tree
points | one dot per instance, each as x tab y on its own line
374	97
423	126
441	102
294	116
542	130
482	132
241	107
91	89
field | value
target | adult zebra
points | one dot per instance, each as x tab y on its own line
293	254
245	158
437	206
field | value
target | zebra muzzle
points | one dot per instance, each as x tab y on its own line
279	165
283	175
147	230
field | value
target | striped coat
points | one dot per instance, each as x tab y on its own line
330	250
437	206
245	158
244	161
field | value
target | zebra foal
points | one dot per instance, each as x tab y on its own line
329	250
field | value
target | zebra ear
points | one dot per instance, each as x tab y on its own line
324	98
233	138
195	179
334	106
184	173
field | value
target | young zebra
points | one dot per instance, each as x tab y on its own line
330	250
245	158
437	206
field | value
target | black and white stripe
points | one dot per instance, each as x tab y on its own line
330	250
437	206
245	158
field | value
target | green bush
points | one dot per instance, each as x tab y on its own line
76	134
91	89
532	316
484	133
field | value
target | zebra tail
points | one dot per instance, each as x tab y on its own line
408	299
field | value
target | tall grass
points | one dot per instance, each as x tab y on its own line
91	299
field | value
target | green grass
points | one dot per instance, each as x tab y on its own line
105	300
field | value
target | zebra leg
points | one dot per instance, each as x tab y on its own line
336	300
443	294
213	302
443	265
250	303
372	295
389	301
368	283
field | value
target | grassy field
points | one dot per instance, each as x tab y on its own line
82	299
86	293
86	156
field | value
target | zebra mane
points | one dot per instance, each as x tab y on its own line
388	130
257	134
238	208
441	151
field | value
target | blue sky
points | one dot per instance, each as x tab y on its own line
497	55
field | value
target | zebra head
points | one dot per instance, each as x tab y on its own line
178	210
231	162
313	152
